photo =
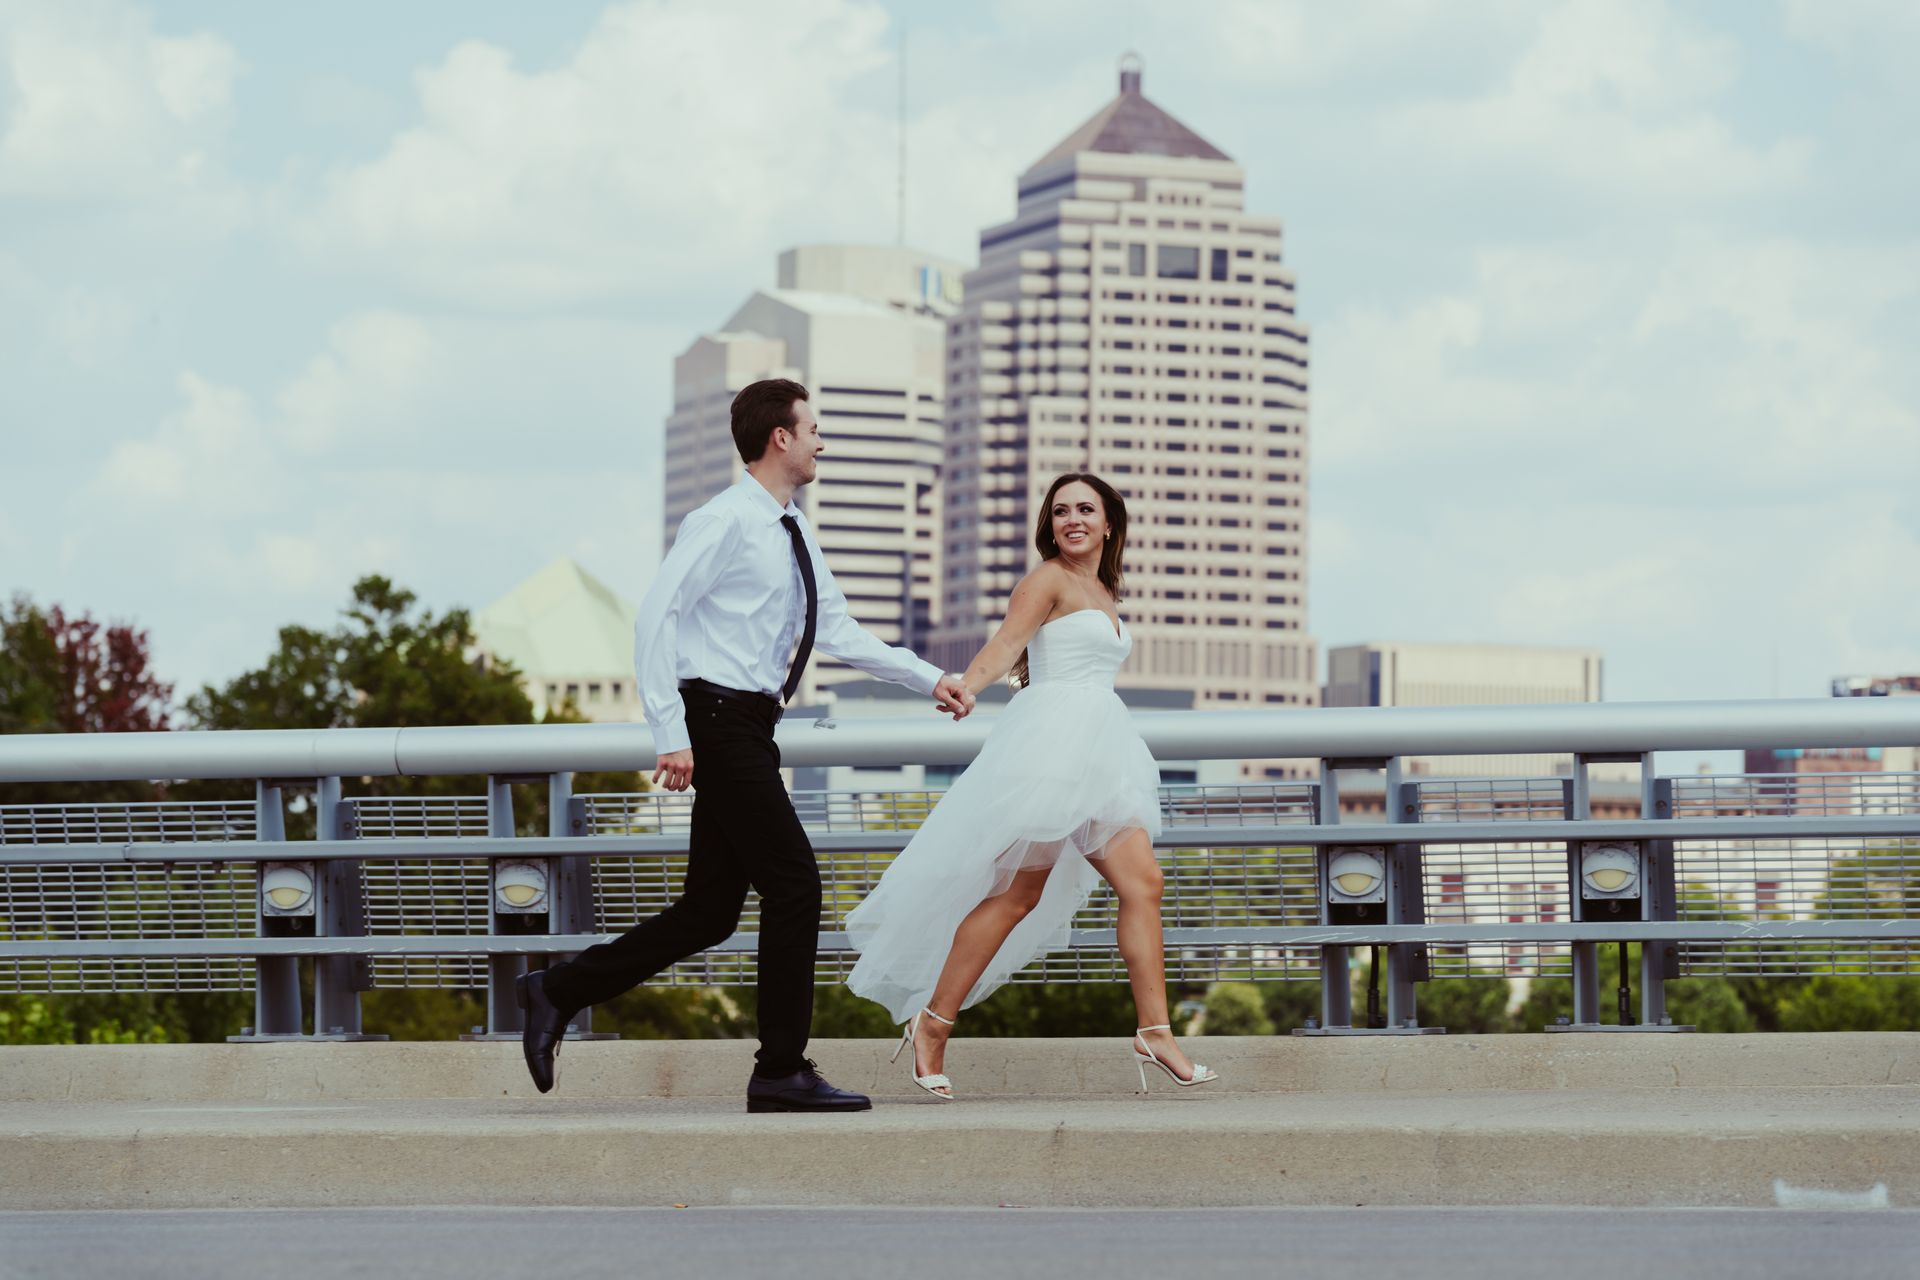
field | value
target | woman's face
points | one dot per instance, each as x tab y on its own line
1079	520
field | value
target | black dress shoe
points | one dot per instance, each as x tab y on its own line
804	1090
542	1028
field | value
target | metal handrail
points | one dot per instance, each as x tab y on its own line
1300	819
1598	728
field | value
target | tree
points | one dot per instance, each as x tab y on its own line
62	673
391	664
70	674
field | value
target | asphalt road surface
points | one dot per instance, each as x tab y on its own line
933	1244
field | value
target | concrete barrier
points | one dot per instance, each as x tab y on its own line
1514	1120
426	1071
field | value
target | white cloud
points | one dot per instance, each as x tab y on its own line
366	384
1614	101
653	156
1691	454
104	108
208	455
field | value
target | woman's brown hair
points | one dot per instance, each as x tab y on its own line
1116	542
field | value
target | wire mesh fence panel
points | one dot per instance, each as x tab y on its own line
416	817
94	902
416	897
152	822
1519	883
1785	880
422	897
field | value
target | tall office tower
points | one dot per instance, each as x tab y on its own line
863	328
1134	320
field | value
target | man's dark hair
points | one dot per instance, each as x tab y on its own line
758	409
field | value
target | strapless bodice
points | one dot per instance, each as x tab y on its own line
1078	649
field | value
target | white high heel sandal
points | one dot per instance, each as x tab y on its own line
935	1082
1201	1075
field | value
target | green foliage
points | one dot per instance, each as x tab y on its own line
390	664
1850	1003
1711	1004
133	1017
1234	1009
33	1020
1290	1004
1465	1006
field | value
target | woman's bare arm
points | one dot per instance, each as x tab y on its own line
1029	607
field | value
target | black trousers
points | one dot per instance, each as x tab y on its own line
745	835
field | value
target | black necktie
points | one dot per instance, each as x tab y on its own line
805	561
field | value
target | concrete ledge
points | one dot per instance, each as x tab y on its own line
1009	1068
1652	1147
1508	1120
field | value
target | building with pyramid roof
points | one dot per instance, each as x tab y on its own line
1134	320
571	638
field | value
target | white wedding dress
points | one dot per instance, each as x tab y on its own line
1063	772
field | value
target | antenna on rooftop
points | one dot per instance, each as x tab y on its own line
900	224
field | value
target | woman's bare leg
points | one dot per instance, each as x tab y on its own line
1130	867
975	943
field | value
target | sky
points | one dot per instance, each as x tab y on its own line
1614	303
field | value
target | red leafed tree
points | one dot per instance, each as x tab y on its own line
71	674
106	682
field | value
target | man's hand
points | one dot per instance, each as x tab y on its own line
951	696
674	770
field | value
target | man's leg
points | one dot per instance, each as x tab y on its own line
762	828
704	915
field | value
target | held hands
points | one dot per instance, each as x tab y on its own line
951	697
674	770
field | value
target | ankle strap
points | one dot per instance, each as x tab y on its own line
1164	1026
945	1022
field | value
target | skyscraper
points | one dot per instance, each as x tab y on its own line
1134	320
863	327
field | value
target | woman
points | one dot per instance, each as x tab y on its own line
1062	793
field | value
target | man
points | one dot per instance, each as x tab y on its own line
711	650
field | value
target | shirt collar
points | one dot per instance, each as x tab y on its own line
762	501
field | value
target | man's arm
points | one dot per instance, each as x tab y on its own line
689	570
838	635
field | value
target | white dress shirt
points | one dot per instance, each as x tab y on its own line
728	605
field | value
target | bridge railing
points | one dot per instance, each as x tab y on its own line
1446	877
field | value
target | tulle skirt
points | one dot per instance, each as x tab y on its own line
1061	774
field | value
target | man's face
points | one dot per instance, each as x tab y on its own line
804	445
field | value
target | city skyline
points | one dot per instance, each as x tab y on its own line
1136	320
1608	301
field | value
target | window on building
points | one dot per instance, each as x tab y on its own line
1136	259
1178	262
1220	264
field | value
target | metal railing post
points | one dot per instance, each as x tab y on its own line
342	913
1336	973
503	1014
1658	960
1407	962
276	979
1578	799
